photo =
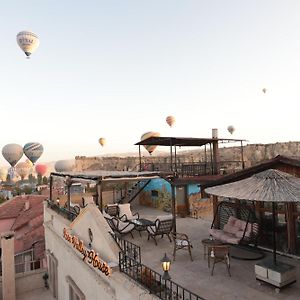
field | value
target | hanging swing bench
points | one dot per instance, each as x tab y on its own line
235	223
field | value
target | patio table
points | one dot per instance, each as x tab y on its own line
141	224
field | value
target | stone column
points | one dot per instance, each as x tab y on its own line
8	266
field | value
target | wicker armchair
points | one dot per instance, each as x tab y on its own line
163	226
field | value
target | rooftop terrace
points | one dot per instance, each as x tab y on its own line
195	275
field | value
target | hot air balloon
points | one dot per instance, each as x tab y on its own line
150	148
231	129
41	169
28	42
3	174
102	141
64	165
12	153
33	151
22	169
170	120
264	90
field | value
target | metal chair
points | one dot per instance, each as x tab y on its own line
181	241
219	254
162	226
119	227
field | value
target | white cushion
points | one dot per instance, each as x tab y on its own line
105	215
182	242
124	209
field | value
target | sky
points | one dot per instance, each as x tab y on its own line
117	69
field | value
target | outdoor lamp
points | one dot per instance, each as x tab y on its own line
166	262
57	201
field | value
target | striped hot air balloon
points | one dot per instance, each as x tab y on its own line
33	151
150	148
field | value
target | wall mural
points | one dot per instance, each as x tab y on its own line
158	194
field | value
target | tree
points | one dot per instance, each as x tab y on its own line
45	180
39	179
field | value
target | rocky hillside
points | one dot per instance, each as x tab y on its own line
253	154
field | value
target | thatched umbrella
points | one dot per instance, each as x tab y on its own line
268	186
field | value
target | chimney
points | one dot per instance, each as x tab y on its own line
214	133
8	266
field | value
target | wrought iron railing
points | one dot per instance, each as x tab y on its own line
151	280
129	249
70	215
194	168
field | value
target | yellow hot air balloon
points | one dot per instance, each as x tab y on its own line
3	174
23	169
170	120
102	141
150	148
28	42
231	129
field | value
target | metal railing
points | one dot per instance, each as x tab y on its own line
194	169
129	249
70	215
151	280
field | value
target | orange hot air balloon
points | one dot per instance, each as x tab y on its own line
41	169
170	120
150	148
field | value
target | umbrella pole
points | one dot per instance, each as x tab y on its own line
274	233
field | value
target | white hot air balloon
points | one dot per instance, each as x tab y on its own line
64	166
12	153
231	129
28	42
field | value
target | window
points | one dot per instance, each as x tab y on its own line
74	292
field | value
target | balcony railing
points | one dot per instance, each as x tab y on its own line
194	169
129	249
70	215
151	280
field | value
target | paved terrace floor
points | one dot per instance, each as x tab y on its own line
195	275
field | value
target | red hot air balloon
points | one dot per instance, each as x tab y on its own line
41	169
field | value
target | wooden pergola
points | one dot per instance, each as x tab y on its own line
100	177
174	142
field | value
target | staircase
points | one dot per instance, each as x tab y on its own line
133	192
